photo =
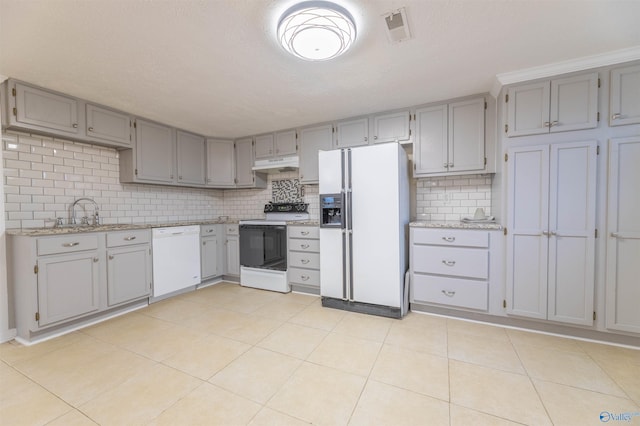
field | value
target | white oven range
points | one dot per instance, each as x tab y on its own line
263	247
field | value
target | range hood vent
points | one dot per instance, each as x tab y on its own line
276	165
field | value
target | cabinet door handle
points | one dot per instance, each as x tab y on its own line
90	129
110	257
616	116
448	293
449	239
304	232
95	259
304	277
375	138
545	233
547	124
75	125
304	246
366	139
204	243
450	165
445	165
304	261
70	244
554	123
131	238
209	230
449	262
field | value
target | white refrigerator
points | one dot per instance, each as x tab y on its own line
364	219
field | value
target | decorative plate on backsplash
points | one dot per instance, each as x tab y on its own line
287	191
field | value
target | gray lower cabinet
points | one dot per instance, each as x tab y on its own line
303	258
233	250
63	281
128	266
209	252
68	286
450	267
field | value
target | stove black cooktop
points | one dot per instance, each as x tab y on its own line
286	207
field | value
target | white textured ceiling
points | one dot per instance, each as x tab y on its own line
213	66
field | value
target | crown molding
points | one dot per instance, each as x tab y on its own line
3	78
564	67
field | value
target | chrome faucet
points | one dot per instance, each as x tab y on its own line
85	219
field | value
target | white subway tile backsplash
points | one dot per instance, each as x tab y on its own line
43	176
452	198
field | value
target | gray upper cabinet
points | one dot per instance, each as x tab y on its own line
352	133
245	176
190	157
155	152
279	144
221	171
108	126
264	146
624	101
312	140
550	106
286	143
430	144
450	138
392	127
244	162
43	110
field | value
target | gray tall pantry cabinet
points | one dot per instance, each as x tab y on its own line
551	238
623	238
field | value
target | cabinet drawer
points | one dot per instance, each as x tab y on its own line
304	232
451	237
308	277
231	229
67	244
206	230
296	244
450	291
128	238
304	260
461	262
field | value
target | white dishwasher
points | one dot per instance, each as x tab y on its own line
176	258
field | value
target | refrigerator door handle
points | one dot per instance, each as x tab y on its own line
350	222
344	265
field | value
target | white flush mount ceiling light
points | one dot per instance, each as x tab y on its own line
316	30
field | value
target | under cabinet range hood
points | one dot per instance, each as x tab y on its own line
275	165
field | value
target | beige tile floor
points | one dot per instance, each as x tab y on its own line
228	355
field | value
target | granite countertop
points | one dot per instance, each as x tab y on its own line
304	222
454	224
36	232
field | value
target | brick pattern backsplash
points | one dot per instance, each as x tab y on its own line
452	197
43	176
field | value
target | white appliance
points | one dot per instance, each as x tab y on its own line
176	259
263	247
364	219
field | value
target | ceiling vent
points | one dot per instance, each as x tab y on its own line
397	26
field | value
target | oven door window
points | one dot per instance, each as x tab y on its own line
263	246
